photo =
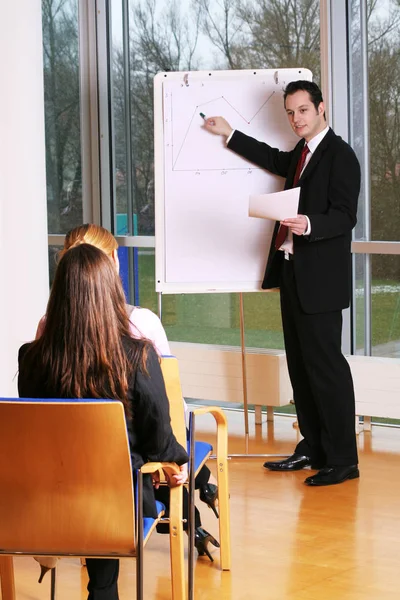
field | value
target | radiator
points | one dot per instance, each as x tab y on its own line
377	385
210	372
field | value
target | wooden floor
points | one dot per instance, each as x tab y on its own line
289	541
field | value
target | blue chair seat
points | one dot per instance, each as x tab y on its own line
201	452
148	522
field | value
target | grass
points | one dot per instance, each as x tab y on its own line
385	308
214	318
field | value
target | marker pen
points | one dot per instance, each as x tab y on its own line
203	116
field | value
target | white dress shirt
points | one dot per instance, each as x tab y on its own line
313	144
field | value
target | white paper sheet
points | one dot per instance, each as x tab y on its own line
277	206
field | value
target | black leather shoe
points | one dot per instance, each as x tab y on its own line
333	475
292	463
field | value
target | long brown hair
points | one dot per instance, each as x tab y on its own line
81	349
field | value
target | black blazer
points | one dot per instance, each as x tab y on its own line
150	434
330	185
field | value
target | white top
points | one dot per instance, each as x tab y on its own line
145	323
287	245
314	143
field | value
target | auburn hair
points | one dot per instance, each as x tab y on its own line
90	234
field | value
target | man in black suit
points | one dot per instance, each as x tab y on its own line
309	260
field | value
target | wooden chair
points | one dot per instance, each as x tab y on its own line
199	452
66	488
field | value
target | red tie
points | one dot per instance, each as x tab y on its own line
283	229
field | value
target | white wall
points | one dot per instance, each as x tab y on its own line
23	220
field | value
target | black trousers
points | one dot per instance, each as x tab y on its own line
162	494
103	572
321	379
103	578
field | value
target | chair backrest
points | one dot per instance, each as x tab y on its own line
170	370
65	478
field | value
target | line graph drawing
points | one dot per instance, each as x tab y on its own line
189	157
259	110
184	140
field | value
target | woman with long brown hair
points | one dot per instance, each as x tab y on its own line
143	323
86	351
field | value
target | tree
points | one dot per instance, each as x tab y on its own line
385	140
224	26
384	105
264	34
159	41
251	34
62	119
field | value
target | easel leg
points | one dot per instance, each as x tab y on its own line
245	402
244	372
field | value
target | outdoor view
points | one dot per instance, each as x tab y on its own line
62	118
217	34
383	17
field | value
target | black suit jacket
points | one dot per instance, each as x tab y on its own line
330	185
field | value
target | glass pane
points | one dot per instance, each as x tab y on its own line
383	221
202	318
359	305
357	106
209	318
62	114
263	324
386	305
157	36
147	296
119	81
383	22
53	260
384	93
187	36
385	320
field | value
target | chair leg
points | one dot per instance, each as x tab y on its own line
191	515
139	537
223	497
176	544
7	578
53	584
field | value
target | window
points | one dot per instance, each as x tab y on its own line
375	29
148	37
62	114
